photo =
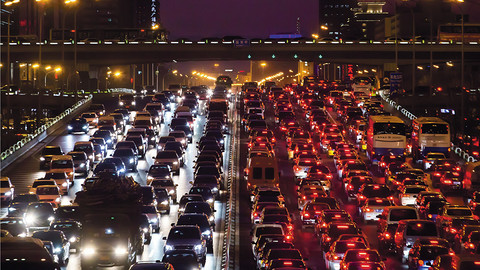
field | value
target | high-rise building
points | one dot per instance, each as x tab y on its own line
337	19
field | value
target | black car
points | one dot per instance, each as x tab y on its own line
188	132
47	153
128	157
78	125
200	220
109	138
20	203
162	98
125	113
118	162
106	168
101	142
14	225
61	245
39	215
68	212
201	208
205	192
163	200
139	142
182	259
71	229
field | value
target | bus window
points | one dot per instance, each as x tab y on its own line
269	173
257	173
435	129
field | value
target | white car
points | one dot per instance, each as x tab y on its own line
335	255
32	189
374	207
170	158
408	194
60	177
7	190
91	117
260	229
49	193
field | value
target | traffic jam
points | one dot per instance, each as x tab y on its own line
115	215
337	182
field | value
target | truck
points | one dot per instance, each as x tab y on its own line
111	209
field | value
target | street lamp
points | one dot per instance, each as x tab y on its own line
51	70
462	71
35	67
73	3
10	5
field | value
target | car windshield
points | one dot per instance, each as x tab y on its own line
61	164
162	183
47	191
184	233
149	209
61	175
459	212
414	190
42	183
421	229
198	208
199	220
167	155
431	252
389	128
63	226
77	156
373	191
401	214
268	230
4	184
123	152
51	151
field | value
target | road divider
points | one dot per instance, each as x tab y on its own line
455	149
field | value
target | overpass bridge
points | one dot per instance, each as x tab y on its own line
360	52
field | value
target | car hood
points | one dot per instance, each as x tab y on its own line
181	242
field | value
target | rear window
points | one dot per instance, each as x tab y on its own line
459	212
268	230
431	252
269	173
257	173
401	214
421	229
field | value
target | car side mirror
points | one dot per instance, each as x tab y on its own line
214	210
176	185
172	224
164	238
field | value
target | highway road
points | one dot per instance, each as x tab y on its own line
304	238
25	170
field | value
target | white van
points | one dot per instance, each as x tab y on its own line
262	171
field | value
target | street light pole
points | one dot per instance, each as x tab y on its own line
462	87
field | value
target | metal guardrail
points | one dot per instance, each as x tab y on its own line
230	208
456	149
18	145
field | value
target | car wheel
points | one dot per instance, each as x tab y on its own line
210	247
204	260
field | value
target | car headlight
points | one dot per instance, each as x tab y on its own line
153	220
221	141
99	155
29	219
149	177
85	127
57	199
189	135
22	235
152	138
171	191
210	201
211	218
175	163
72	239
207	233
88	251
69	127
133	102
168	247
51	218
198	248
91	156
82	165
42	159
131	160
8	193
120	251
165	202
214	189
121	103
145	230
194	111
109	141
57	250
10	209
140	147
183	141
64	184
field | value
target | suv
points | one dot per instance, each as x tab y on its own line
7	189
408	231
187	237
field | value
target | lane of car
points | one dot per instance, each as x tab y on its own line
184	182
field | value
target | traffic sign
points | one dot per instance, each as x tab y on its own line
395	82
241	42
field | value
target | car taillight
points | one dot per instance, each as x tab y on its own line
387	235
328	239
447	182
255	214
368	210
306	215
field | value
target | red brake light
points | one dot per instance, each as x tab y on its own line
343	227
288	263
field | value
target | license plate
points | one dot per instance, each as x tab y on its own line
104	258
378	210
456	183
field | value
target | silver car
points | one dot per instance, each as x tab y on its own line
187	237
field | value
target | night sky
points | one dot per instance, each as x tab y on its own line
248	18
196	19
